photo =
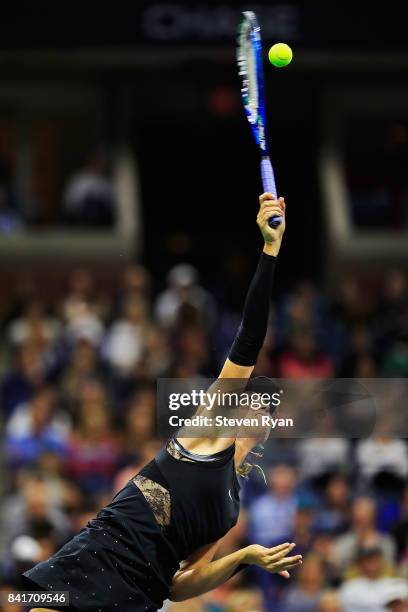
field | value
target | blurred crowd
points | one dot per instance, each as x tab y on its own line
77	394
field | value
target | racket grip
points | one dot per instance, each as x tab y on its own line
269	185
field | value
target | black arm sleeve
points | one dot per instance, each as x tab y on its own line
252	331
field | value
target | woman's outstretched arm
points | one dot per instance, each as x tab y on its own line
252	331
201	575
254	324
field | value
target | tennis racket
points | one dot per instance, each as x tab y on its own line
250	68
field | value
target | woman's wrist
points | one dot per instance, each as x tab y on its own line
272	248
248	555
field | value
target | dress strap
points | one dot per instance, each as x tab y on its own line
227	452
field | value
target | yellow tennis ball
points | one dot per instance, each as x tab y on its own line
280	55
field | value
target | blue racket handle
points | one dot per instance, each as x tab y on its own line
269	185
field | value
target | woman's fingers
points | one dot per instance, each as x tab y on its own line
284	574
272	204
276	559
291	565
280	561
288	562
291	559
279	552
282	566
269	212
270	207
281	548
266	198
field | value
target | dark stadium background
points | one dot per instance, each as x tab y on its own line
184	119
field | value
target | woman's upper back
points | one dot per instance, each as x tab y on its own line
195	498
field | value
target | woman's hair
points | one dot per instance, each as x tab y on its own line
245	468
258	384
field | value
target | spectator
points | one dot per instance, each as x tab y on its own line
191	347
135	284
302	525
81	288
27	550
51	467
158	354
370	591
21	381
85	324
126	339
34	428
83	310
359	358
93	453
319	457
33	503
349	305
334	513
82	366
329	602
243	600
323	548
33	327
272	516
183	289
305	595
382	454
140	421
302	310
303	359
89	199
363	532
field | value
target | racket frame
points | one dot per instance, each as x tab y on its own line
249	36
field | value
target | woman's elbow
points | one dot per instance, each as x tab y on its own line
176	593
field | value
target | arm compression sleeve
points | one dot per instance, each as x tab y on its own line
252	331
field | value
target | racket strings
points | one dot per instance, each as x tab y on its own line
247	71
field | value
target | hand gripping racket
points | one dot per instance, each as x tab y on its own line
250	66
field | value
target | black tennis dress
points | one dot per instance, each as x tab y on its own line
126	557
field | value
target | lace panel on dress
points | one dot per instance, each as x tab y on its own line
157	497
174	452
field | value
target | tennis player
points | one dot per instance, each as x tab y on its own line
158	537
